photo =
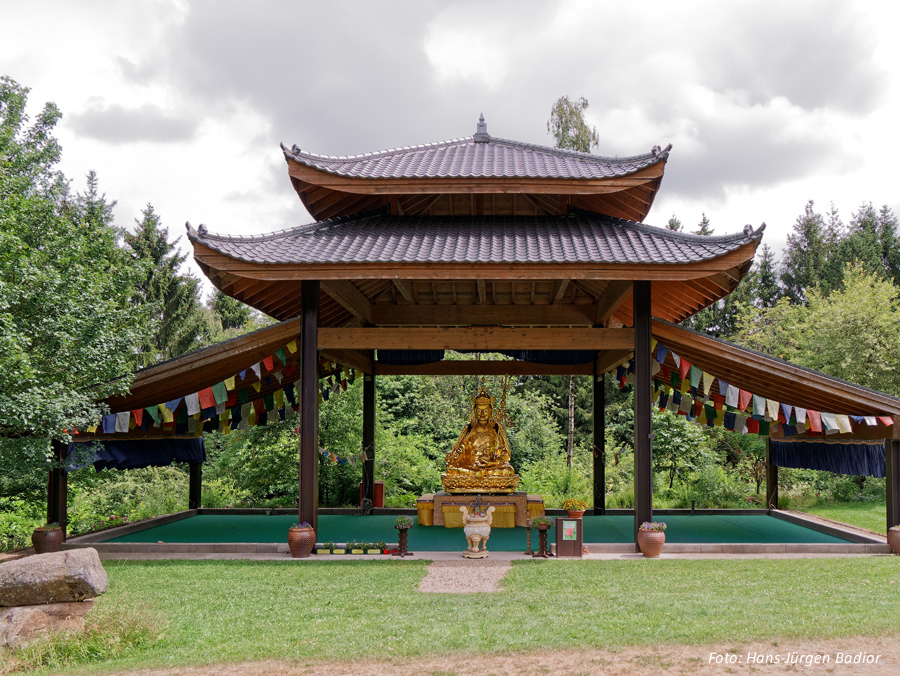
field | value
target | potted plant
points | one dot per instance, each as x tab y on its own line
651	538
374	547
326	548
301	540
893	538
575	508
47	538
403	524
354	547
542	522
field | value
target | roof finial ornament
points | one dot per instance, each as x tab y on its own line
481	132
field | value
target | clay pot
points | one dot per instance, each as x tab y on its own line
301	542
893	538
651	542
575	514
45	541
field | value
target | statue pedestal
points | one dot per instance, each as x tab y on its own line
476	555
513	509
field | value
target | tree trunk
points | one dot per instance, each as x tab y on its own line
571	441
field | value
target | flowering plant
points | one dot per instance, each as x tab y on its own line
539	521
653	525
305	524
574	505
404	521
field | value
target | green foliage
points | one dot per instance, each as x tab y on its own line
803	261
679	447
173	296
556	482
67	328
703	228
112	497
568	126
231	312
261	461
852	334
674	223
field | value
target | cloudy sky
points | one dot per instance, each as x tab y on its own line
183	104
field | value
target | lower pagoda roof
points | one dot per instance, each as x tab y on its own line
372	266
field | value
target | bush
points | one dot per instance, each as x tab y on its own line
222	493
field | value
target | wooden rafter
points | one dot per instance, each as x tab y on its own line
475	338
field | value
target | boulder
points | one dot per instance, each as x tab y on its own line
23	624
59	577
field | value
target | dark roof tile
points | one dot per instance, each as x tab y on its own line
581	237
468	158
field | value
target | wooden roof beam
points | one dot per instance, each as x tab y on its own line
482	315
406	290
617	292
350	297
475	338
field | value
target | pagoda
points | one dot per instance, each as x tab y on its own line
477	243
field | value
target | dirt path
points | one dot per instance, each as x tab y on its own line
717	660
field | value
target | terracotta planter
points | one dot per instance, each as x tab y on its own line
575	514
45	541
651	542
301	542
893	538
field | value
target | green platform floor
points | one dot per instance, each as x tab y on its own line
683	529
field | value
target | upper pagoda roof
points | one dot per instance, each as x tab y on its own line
439	179
479	156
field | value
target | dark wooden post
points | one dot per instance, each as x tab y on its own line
309	403
57	487
892	484
643	422
368	435
195	485
771	478
599	442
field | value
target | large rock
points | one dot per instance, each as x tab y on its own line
60	577
23	624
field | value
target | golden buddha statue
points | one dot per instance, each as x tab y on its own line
479	460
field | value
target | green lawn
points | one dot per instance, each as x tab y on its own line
869	515
210	611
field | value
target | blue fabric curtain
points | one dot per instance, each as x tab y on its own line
134	453
855	459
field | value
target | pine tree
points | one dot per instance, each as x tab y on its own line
805	256
231	312
890	243
175	296
767	289
674	223
703	227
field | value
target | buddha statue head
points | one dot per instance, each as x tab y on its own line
482	407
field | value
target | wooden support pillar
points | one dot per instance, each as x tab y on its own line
892	484
57	487
643	422
368	435
309	403
195	485
599	442
771	478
